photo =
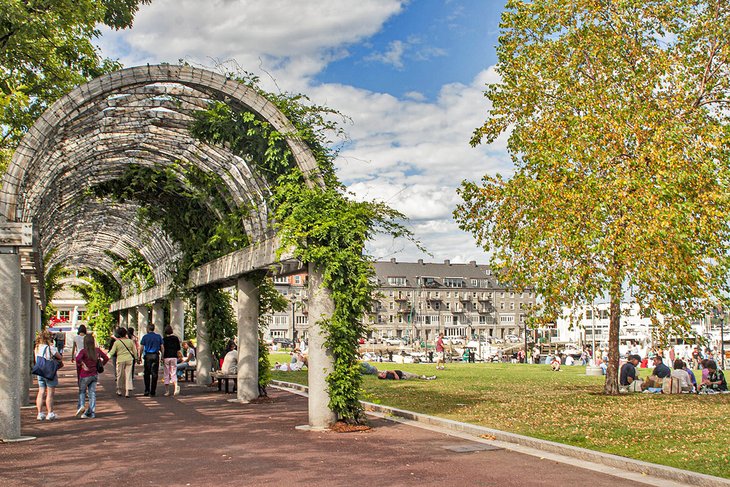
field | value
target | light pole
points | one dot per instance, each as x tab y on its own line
720	313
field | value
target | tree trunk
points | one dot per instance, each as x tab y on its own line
611	385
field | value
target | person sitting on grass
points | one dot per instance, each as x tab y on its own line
629	379
555	363
660	373
400	375
715	380
680	374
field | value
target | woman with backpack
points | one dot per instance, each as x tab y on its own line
46	387
87	362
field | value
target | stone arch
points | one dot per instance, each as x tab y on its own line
138	115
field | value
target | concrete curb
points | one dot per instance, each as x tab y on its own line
622	463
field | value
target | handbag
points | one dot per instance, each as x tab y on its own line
99	366
46	368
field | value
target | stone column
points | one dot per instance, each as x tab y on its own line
123	319
142	320
204	358
26	345
10	315
158	317
177	317
321	306
248	340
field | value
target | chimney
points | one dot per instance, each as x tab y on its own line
447	262
420	261
473	262
392	260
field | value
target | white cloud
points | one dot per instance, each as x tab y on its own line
288	39
411	152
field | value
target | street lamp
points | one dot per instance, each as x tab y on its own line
720	313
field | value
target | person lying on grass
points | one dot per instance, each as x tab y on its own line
400	375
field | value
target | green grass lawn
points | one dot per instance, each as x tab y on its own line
686	431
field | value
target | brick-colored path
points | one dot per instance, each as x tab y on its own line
198	438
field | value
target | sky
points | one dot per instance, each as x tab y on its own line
408	74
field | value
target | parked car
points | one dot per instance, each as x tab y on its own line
497	340
512	338
393	341
283	342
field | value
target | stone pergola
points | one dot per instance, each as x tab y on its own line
137	116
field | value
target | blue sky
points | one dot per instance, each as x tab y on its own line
409	74
431	43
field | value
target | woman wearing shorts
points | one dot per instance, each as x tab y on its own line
46	387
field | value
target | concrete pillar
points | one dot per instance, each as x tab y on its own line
123	318
204	358
248	340
177	317
321	306
158	317
26	345
10	315
142	320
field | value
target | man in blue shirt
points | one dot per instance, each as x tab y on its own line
661	370
152	343
629	379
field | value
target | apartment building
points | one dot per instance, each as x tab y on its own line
419	299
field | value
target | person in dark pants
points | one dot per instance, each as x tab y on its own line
152	344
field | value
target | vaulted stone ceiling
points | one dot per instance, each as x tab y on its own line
134	116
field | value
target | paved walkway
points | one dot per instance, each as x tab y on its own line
199	438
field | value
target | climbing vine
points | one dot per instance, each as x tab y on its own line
322	225
221	320
135	272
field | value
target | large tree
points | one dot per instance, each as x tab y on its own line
617	113
46	49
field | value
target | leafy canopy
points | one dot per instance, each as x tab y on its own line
617	113
46	50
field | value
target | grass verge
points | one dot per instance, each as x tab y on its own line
685	431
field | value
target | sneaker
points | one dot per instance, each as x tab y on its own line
88	416
177	389
41	417
80	412
51	416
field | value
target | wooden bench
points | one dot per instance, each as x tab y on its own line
227	379
189	375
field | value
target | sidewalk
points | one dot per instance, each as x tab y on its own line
199	438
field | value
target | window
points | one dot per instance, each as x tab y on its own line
448	305
278	333
512	306
501	305
475	283
482	320
64	314
400	318
512	295
453	282
507	319
522	305
281	280
397	281
501	295
448	294
297	279
390	318
522	318
301	320
391	305
448	319
280	321
436	294
82	314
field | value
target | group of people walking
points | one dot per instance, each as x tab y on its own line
124	351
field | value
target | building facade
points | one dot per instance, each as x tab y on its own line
418	300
